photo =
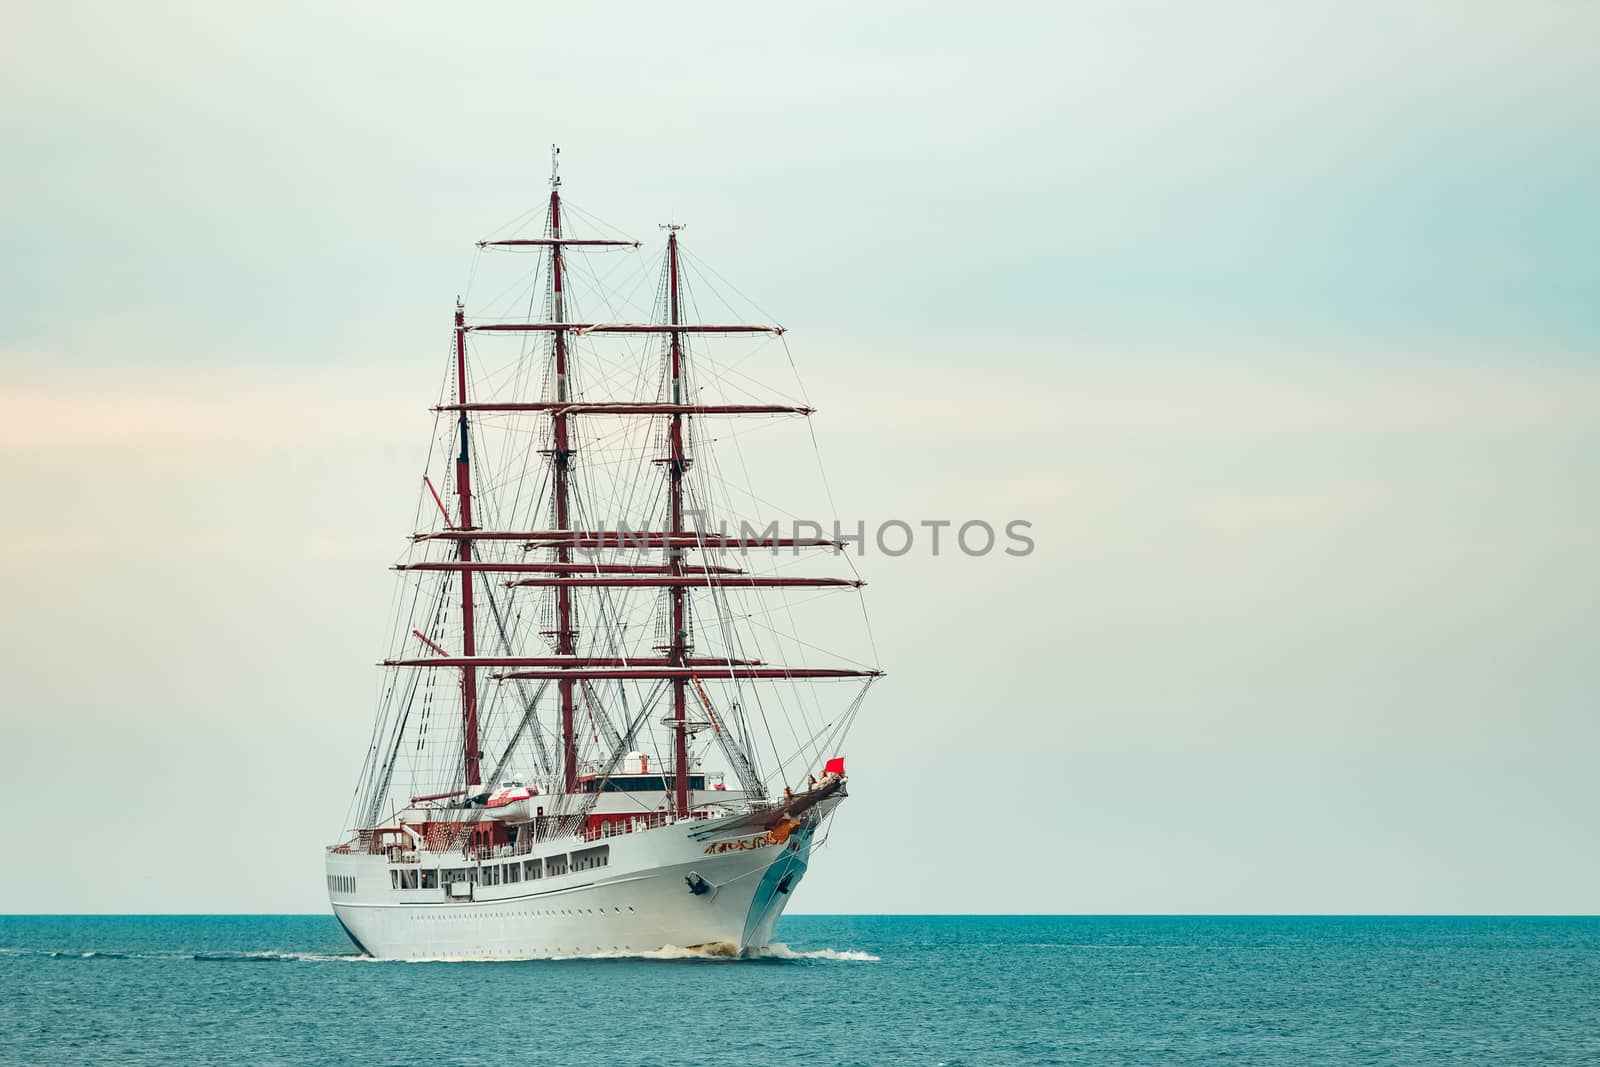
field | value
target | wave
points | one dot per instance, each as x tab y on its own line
282	957
778	950
719	952
726	951
203	957
74	954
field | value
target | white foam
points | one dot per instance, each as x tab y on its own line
778	950
720	951
726	951
270	955
317	957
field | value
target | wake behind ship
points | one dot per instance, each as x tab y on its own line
607	721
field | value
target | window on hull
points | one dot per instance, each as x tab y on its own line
587	859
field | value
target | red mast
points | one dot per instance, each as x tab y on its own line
677	463
560	464
469	637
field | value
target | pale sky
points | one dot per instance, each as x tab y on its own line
1281	323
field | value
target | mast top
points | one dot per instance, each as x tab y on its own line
555	166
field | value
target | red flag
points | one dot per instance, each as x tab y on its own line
834	766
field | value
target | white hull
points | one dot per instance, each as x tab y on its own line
640	900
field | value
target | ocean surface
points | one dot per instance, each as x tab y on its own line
839	990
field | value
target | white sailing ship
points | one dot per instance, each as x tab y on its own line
600	728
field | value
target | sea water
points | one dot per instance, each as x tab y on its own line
837	990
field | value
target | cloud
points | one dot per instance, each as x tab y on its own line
1114	390
170	409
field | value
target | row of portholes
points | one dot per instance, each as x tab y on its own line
536	913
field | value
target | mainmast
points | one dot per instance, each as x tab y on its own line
469	638
560	462
677	463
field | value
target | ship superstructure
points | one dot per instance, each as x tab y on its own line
607	722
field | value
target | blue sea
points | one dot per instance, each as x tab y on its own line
950	990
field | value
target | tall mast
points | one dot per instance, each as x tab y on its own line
469	636
677	463
561	457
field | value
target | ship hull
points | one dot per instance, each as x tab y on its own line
678	886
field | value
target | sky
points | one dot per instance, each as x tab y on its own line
1280	323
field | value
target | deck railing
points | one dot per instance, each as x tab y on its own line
538	830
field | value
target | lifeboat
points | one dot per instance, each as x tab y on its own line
512	802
